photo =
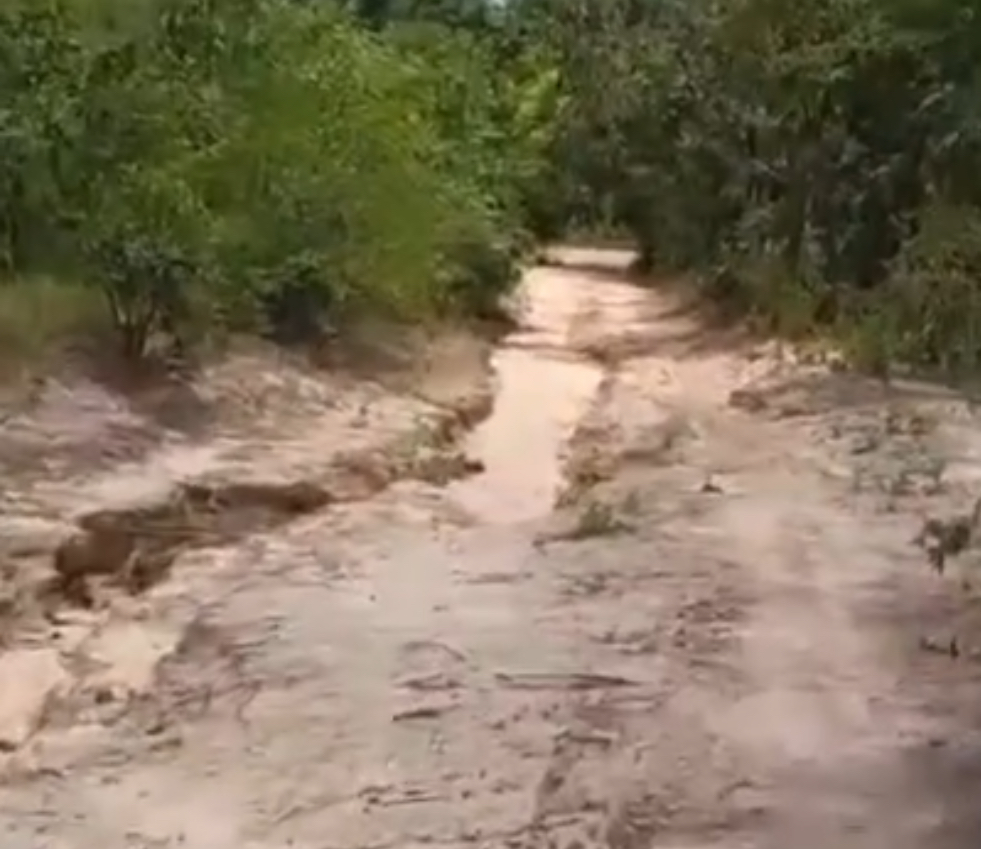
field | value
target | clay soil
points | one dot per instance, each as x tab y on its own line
628	580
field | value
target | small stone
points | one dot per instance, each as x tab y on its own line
104	696
710	487
748	399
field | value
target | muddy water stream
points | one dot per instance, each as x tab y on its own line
543	390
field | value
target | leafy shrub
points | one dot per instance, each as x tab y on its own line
250	164
930	315
802	147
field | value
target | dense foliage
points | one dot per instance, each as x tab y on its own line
815	162
204	164
233	163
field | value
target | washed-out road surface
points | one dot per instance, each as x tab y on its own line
662	596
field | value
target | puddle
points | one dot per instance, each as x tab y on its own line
543	392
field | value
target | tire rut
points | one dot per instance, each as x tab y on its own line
705	640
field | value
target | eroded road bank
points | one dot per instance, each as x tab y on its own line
712	641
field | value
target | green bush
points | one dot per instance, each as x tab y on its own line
250	164
793	153
930	312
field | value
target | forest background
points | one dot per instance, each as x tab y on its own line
194	169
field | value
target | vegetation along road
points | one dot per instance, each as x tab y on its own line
340	511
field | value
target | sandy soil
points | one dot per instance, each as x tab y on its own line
675	604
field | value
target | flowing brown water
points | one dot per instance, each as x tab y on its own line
543	390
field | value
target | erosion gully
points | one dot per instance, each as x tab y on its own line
713	644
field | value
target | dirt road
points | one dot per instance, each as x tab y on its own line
716	639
